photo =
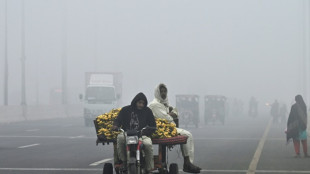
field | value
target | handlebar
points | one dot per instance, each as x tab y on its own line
149	128
146	128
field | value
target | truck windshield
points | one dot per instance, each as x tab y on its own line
100	95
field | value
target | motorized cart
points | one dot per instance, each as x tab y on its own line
160	160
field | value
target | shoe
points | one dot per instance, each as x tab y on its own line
297	155
307	156
191	168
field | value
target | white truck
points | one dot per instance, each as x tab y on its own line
103	92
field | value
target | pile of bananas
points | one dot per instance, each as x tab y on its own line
105	123
164	129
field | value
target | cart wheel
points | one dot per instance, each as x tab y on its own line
108	168
116	170
173	169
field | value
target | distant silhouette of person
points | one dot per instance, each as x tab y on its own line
253	107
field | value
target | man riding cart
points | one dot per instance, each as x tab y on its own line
188	108
135	117
133	150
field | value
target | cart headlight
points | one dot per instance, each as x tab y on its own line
132	140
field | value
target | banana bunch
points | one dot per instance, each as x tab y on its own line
105	123
164	129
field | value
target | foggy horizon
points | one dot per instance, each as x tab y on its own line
237	49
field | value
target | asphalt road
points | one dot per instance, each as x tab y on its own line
58	146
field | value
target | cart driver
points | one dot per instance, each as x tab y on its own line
161	109
136	116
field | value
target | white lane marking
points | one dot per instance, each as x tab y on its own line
258	152
100	169
100	162
31	145
80	136
32	130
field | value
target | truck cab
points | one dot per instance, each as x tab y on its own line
101	95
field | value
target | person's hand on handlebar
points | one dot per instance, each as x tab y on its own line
148	131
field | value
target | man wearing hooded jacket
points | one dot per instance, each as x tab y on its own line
161	109
135	117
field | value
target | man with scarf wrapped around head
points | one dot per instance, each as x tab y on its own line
135	117
297	126
161	109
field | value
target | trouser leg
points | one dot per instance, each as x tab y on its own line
115	154
121	147
148	150
188	148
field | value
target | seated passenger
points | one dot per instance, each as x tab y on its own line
161	109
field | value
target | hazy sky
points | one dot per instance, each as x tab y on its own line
235	48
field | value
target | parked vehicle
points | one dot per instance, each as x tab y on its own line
215	108
188	108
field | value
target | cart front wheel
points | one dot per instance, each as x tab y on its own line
173	169
108	168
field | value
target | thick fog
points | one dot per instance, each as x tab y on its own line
234	48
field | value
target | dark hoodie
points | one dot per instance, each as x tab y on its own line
131	118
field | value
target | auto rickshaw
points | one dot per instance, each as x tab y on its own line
215	108
188	108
